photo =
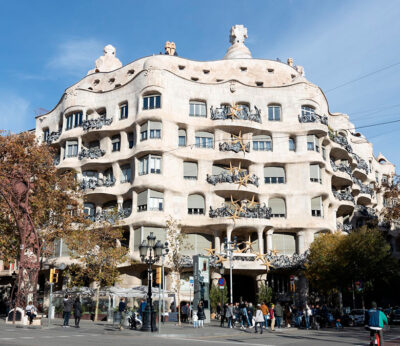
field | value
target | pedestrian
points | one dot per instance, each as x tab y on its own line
236	312
195	320
272	314
278	314
307	315
222	314
243	315
265	311
219	311
184	313
142	308
259	319
229	315
200	314
288	315
31	311
121	310
67	310
77	311
250	313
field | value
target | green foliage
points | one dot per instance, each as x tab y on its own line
215	296
264	294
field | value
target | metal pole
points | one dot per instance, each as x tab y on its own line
50	304
230	271
163	285
159	305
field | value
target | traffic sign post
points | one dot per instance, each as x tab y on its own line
221	283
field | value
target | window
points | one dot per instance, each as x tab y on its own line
90	174
219	169
89	209
323	152
94	144
385	179
131	140
274	113
152	102
284	243
74	120
262	143
316	206
292	144
313	143
278	207
181	138
190	170
126	173
197	109
307	111
155	133
274	175
204	140
46	134
108	174
315	174
72	149
150	163
116	143
123	111
196	204
150	129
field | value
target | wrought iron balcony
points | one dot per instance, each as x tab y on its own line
342	141
52	137
342	167
366	211
228	112
345	227
232	178
236	147
96	124
91	153
92	183
109	216
344	195
363	188
313	118
244	211
56	160
361	163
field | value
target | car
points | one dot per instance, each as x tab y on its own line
395	316
358	316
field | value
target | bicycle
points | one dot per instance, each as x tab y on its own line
374	339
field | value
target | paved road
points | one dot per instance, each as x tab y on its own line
101	334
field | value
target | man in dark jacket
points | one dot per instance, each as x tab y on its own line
376	320
77	311
122	309
278	314
68	303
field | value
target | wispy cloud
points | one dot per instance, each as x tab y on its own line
15	112
76	56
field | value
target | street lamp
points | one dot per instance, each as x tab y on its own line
154	250
229	247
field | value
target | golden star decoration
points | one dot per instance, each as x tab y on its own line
210	251
237	250
234	215
233	110
260	256
239	139
252	203
248	245
267	264
274	252
221	259
243	181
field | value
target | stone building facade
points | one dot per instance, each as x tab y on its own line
238	148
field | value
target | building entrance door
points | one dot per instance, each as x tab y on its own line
244	287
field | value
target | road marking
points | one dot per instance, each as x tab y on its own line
7	338
219	342
26	337
46	337
63	336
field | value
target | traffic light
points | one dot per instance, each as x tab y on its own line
158	276
53	275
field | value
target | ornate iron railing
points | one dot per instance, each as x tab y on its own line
232	178
343	195
313	118
228	112
92	183
345	227
96	124
342	141
366	211
52	137
342	167
92	153
245	211
361	163
236	147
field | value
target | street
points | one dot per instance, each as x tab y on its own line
105	334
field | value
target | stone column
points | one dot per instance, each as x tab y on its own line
300	242
229	230
260	232
217	242
270	232
131	240
261	279
116	172
124	142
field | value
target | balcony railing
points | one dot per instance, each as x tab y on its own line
363	188
342	141
345	227
245	211
366	211
344	195
232	178
235	147
228	112
92	183
96	124
313	118
107	215
52	137
361	163
342	167
91	153
56	160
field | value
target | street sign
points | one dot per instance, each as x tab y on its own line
221	283
292	278
191	281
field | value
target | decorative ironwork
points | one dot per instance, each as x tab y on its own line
236	147
342	167
342	141
240	178
363	188
91	153
361	163
56	160
52	137
313	118
343	195
107	215
92	183
345	227
96	124
235	111
366	211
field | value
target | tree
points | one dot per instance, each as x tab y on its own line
216	296
98	253
175	258
38	204
391	194
264	294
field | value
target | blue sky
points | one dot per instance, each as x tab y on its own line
48	45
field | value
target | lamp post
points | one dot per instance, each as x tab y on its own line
164	252
230	246
150	252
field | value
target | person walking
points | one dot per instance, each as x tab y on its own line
307	315
200	314
219	311
142	308
223	314
229	315
77	311
265	311
31	311
259	319
184	313
122	309
278	314
272	314
244	316
288	315
250	313
67	310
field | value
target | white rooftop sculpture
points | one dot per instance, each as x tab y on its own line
238	50
108	62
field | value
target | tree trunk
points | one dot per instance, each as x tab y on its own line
179	300
96	312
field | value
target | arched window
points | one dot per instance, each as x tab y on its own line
182	137
278	207
284	243
307	111
90	174
74	120
204	139
152	101
71	148
126	173
196	204
197	109
123	110
274	113
274	175
262	143
316	206
150	200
